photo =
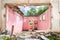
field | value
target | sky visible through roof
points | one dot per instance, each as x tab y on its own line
26	8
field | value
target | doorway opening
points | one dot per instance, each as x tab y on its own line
29	17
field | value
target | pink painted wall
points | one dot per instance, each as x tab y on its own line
42	24
26	25
13	18
45	24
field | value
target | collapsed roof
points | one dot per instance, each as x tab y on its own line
30	10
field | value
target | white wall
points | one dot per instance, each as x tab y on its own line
0	15
55	15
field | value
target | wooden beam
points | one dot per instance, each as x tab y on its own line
28	4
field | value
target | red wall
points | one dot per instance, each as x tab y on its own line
26	25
